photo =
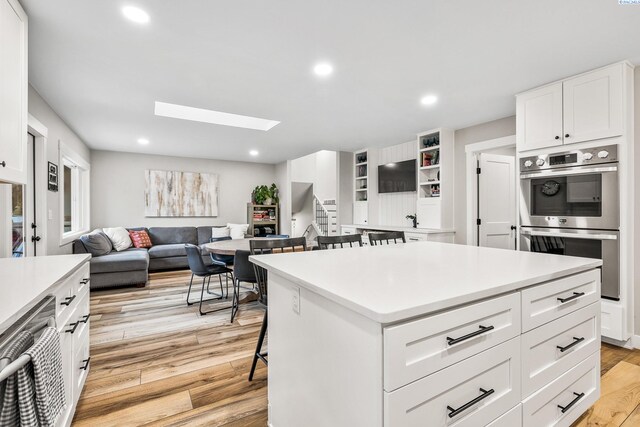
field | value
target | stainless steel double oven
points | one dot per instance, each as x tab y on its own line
570	206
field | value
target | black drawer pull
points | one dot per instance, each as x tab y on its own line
571	298
3	164
482	330
86	364
576	341
68	300
484	395
85	281
573	402
85	318
74	327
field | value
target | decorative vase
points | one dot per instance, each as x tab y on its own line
268	201
415	222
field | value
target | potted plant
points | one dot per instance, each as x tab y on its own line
264	195
414	218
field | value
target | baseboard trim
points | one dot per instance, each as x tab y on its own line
625	344
635	341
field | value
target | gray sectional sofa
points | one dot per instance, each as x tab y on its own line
132	266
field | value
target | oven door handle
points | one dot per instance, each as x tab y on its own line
572	171
597	236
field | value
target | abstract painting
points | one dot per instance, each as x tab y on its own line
174	193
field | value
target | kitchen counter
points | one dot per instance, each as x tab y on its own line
25	281
396	282
397	228
433	334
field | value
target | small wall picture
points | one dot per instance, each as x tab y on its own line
53	177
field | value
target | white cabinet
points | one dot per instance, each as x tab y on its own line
360	213
539	118
429	212
13	92
434	205
593	105
578	109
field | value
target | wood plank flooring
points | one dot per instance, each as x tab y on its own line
157	362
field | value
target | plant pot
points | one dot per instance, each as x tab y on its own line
268	201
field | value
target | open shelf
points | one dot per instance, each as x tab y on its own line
435	147
430	183
424	168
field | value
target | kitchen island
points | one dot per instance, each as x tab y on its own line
431	334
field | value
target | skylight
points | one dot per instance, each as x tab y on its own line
215	117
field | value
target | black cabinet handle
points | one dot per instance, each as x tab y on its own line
571	298
480	331
85	280
484	395
86	364
74	327
573	402
576	341
67	301
85	318
557	137
3	164
566	135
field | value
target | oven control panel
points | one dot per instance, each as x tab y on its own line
585	156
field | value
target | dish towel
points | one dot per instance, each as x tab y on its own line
46	358
17	405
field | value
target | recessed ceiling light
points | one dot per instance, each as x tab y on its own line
135	14
323	69
254	152
143	141
429	100
215	117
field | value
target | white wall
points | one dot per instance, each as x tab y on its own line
320	169
394	207
117	188
283	181
636	180
58	131
470	135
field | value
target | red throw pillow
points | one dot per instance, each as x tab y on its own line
140	239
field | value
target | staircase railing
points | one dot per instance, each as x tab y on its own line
320	216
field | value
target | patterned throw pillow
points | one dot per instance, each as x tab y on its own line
140	239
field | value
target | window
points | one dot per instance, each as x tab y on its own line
74	195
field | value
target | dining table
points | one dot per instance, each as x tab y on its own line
229	247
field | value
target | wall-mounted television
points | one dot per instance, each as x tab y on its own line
397	177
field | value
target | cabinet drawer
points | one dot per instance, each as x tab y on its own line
64	303
552	349
416	349
513	418
575	391
470	393
80	361
544	303
81	279
414	237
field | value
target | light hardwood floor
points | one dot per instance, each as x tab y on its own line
156	362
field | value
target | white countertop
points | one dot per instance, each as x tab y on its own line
397	282
25	281
398	228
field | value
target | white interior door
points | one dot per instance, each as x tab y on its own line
496	201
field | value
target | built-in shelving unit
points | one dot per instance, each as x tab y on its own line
361	185
365	173
262	219
435	178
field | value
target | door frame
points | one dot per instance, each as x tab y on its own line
40	131
472	151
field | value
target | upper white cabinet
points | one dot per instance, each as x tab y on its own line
13	92
582	108
539	118
593	105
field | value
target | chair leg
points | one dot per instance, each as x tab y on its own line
189	291
235	300
205	283
258	355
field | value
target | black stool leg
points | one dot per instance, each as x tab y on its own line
258	355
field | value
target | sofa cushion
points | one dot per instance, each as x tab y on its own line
238	231
119	237
166	251
205	232
140	239
128	260
96	243
173	235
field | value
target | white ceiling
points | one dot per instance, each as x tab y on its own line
102	73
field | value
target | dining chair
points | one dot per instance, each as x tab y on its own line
334	242
225	260
262	247
243	272
389	237
198	268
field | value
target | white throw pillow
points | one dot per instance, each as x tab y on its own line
217	232
237	231
119	237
